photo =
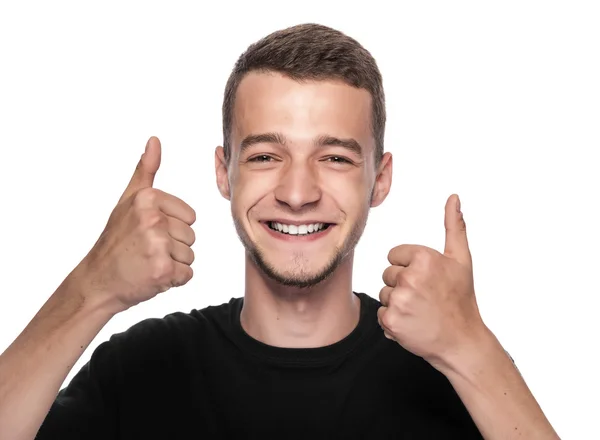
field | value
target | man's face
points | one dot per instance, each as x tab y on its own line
301	177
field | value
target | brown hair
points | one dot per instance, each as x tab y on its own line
310	52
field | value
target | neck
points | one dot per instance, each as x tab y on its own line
291	317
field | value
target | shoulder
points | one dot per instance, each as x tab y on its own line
178	322
173	332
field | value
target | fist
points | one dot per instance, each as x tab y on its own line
428	302
145	248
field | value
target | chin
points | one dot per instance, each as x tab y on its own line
300	273
305	266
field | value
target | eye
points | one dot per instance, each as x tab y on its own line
261	158
337	159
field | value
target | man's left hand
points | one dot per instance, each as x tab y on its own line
428	303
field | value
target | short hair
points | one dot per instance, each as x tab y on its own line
310	52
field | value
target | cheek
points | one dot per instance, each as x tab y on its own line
351	191
249	190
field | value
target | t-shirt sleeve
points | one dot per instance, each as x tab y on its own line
88	406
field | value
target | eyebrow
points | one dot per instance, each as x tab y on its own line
349	144
263	138
322	141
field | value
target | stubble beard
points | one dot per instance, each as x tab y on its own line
299	277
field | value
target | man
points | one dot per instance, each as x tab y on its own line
300	355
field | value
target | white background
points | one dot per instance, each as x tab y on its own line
497	101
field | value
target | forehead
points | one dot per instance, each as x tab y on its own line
301	110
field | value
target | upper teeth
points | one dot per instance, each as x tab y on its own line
297	229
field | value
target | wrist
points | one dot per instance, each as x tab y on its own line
492	389
78	290
471	355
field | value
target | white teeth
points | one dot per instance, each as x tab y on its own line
297	229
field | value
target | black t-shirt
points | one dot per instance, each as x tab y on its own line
199	375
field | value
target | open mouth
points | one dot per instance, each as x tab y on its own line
299	230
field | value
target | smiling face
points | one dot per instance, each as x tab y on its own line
301	176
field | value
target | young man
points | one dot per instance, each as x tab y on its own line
300	355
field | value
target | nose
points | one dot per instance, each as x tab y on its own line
298	187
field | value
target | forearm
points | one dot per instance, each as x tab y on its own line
495	393
35	365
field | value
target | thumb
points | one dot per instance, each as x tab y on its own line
457	245
143	176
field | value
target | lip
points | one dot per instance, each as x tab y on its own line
296	238
296	222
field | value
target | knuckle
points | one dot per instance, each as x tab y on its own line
151	218
400	300
162	269
157	244
424	258
388	320
422	255
145	197
408	277
395	298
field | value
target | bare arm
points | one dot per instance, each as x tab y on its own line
429	307
143	251
495	393
35	365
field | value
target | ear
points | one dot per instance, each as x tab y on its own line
383	180
221	173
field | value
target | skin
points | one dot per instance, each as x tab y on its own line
298	293
145	249
429	307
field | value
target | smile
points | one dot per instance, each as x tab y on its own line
305	229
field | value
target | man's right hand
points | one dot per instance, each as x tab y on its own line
145	248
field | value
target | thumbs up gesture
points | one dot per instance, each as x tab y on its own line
145	248
428	302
